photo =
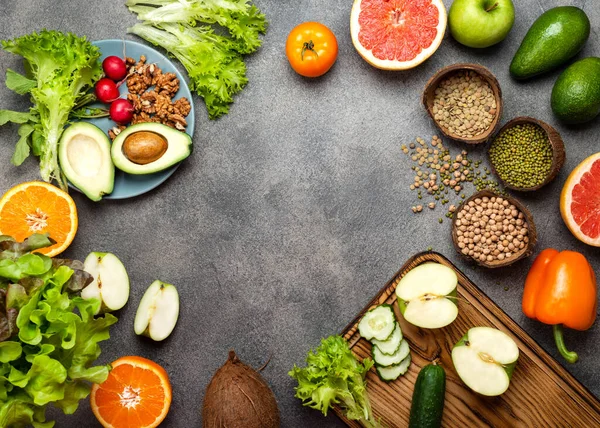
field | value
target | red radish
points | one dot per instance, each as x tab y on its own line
106	90
114	68
121	111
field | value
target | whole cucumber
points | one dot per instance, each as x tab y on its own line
554	38
428	398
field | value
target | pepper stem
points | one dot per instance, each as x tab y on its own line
570	356
308	46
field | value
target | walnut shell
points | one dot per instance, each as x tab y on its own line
144	147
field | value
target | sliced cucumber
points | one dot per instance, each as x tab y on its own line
390	360
378	323
388	347
390	373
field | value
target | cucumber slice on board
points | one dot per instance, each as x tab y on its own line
391	345
390	373
378	323
390	360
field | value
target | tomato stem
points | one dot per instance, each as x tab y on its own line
308	46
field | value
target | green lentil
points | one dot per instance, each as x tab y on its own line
522	155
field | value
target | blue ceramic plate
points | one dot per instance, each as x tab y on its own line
127	185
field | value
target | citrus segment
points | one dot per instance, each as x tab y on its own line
397	34
38	207
136	394
580	201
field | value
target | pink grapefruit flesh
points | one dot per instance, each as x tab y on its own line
580	201
397	34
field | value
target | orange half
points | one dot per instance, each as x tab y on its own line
38	207
136	394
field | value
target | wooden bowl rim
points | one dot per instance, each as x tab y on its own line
434	82
556	142
525	252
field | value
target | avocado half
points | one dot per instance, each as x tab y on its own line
84	156
178	147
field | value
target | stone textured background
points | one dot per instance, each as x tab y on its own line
294	209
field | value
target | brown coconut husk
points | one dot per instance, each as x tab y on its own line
238	396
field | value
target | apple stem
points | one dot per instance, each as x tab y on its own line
570	356
492	7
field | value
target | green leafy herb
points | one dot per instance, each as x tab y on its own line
60	68
214	61
334	376
48	334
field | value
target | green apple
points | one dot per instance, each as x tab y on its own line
481	23
485	359
426	296
158	311
110	284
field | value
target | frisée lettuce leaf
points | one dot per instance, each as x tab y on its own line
60	68
333	376
209	37
49	337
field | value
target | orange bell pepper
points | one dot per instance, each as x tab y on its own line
560	289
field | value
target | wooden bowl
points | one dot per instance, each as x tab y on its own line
525	252
433	83
558	151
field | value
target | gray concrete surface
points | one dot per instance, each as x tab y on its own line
294	209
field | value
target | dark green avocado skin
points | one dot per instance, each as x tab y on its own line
576	93
554	38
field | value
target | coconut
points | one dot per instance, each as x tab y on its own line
238	396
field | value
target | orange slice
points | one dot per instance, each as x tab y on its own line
136	394
580	201
38	207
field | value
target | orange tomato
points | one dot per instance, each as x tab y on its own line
311	49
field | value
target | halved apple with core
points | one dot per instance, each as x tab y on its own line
484	359
426	296
111	282
158	311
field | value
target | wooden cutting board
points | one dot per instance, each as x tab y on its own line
541	393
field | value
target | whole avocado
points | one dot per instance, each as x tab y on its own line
576	93
554	38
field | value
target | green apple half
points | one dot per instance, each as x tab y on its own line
485	359
110	284
426	296
158	311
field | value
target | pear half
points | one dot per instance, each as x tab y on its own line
485	359
158	311
425	296
110	284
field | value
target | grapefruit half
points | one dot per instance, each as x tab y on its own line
580	201
397	34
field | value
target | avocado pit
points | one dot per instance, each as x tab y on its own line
144	147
